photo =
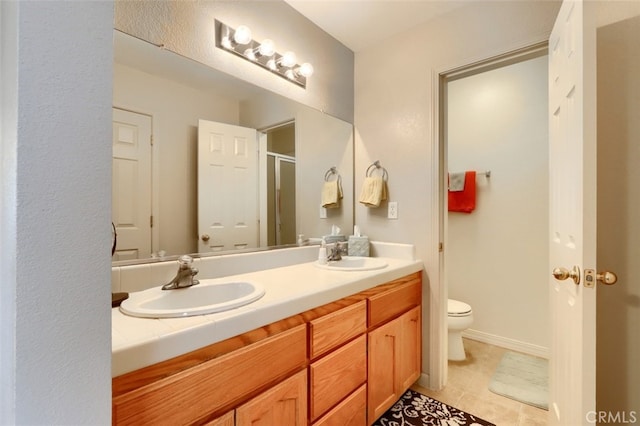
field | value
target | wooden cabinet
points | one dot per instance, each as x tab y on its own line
215	385
283	404
394	348
341	364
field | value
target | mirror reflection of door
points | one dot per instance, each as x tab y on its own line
131	184
281	185
227	190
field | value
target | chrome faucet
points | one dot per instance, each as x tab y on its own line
336	250
184	277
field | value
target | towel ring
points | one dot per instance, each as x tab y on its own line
333	171
375	166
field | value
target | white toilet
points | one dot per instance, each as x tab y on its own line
460	317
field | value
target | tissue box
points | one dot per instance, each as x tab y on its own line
358	246
330	239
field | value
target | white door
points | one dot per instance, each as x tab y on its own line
572	127
131	184
227	187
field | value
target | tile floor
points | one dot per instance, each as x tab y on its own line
468	389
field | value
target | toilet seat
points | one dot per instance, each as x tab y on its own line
455	308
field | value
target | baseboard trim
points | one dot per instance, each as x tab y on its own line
423	381
507	343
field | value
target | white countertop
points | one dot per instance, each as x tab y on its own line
139	342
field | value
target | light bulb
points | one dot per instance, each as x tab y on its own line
242	35
305	70
267	48
288	59
271	63
290	74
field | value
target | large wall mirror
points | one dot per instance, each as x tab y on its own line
174	118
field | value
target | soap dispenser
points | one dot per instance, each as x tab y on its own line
322	253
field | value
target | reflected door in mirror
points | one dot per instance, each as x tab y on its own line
227	187
131	184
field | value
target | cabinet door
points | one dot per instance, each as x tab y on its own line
284	404
410	359
394	361
382	377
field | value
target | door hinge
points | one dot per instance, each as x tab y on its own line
440	247
151	221
151	140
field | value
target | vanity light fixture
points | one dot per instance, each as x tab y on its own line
240	42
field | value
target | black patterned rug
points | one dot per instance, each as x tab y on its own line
415	409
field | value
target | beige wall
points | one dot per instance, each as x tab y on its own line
394	117
187	28
618	307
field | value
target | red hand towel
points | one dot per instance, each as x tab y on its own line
464	201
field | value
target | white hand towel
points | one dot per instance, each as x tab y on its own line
331	194
374	191
456	181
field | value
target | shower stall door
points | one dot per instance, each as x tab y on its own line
281	202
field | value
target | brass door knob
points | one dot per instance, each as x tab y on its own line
607	277
562	274
205	237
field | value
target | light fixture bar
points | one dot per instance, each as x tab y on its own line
239	41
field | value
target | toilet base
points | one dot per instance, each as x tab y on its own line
456	346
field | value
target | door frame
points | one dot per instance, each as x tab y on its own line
437	311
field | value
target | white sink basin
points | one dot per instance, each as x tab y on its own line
205	298
354	263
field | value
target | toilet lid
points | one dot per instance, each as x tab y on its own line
457	308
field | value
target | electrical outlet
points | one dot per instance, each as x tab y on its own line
323	212
392	212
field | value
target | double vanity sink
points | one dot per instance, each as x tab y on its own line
154	325
219	295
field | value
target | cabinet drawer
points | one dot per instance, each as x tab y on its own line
225	420
283	404
331	330
389	304
350	412
335	376
213	385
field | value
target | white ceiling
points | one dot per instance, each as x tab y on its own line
361	23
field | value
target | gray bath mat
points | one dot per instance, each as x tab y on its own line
524	378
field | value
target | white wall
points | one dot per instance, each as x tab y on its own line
618	307
394	119
497	256
175	109
55	212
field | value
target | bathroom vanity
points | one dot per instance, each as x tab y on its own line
345	347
